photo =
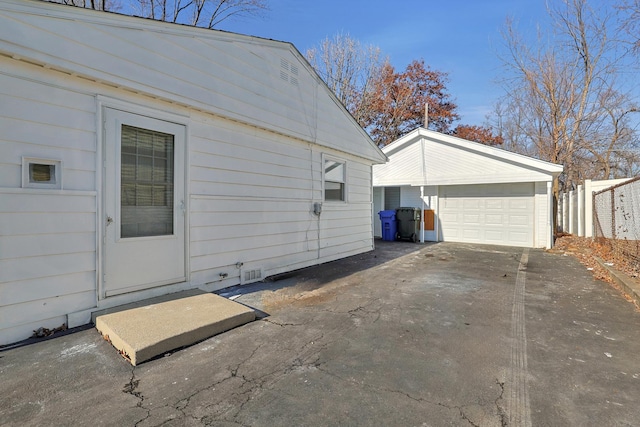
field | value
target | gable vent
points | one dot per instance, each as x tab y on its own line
288	71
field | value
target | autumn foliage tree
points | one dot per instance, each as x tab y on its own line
386	102
398	102
481	134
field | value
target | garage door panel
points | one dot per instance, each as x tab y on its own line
516	220
471	219
521	238
496	214
494	219
519	203
494	204
451	203
471	204
471	234
493	236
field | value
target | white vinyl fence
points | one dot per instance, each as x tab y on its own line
575	208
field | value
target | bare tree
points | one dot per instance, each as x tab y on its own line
198	13
387	103
349	69
107	5
562	102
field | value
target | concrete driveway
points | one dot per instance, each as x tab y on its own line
407	335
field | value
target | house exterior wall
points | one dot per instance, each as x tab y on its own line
250	199
47	237
252	80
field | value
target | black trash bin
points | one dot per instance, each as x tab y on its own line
408	223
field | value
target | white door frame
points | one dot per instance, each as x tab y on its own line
103	103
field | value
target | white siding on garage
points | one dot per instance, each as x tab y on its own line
494	214
543	227
402	169
465	163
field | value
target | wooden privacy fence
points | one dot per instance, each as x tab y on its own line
616	221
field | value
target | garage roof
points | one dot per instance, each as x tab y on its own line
425	157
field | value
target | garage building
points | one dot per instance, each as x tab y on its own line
469	192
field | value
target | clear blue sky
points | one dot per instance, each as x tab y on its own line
460	37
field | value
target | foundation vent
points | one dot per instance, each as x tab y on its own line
250	276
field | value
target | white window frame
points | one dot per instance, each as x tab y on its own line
55	184
344	182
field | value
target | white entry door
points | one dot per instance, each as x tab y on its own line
144	218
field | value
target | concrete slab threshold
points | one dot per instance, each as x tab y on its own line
147	329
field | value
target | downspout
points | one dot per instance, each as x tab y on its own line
422	214
424	175
437	218
550	226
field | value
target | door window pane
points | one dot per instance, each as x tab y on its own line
146	183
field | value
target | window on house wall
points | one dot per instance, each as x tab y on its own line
334	180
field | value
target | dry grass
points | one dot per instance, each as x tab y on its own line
586	250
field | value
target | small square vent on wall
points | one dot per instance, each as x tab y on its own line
250	276
41	173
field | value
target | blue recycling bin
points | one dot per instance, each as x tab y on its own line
389	225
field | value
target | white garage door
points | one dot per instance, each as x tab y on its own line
499	214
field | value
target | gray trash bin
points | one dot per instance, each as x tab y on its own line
408	223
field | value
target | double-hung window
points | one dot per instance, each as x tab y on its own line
334	180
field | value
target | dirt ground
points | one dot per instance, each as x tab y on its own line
587	250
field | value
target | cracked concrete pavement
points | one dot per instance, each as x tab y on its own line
407	335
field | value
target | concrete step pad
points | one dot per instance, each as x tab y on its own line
144	332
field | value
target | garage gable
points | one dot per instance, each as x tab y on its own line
425	157
455	164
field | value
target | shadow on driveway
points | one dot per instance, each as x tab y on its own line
315	277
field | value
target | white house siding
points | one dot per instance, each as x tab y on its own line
250	197
47	237
404	170
257	81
